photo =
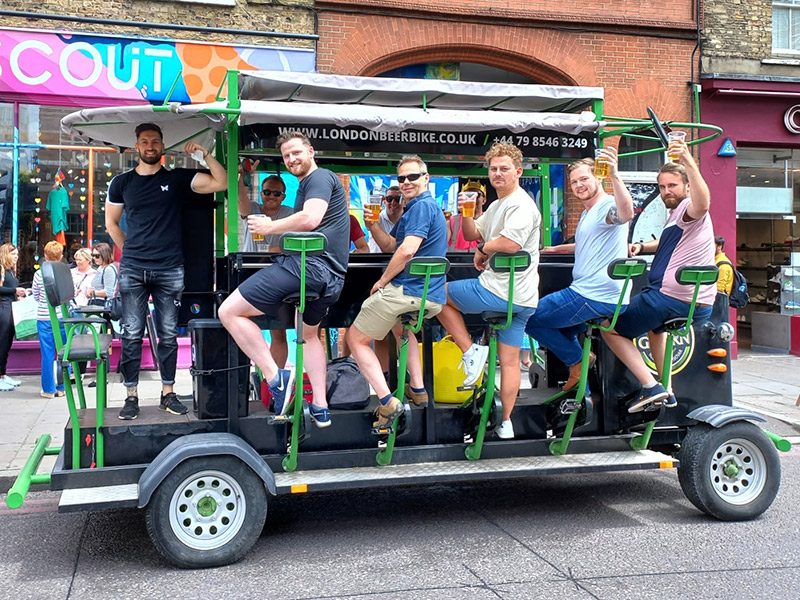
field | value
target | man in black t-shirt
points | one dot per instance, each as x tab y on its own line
152	256
321	206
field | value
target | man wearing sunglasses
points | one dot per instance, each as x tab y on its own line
273	193
421	231
379	238
510	224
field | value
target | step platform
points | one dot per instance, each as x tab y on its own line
354	478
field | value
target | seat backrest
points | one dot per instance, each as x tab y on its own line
697	275
58	284
502	262
295	242
626	267
421	266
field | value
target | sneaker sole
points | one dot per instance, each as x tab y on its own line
121	418
321	424
287	399
639	406
173	412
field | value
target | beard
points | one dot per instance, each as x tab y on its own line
150	160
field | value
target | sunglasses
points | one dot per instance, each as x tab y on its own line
410	177
269	193
95	256
397	199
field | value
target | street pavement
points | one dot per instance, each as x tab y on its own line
606	536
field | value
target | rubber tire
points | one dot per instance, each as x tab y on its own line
175	551
695	458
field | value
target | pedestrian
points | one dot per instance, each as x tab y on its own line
9	292
53	251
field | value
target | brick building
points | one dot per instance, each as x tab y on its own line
622	46
750	86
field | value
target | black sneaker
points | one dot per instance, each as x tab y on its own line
648	396
171	404
131	409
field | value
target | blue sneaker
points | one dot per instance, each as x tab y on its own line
657	393
670	401
321	415
282	393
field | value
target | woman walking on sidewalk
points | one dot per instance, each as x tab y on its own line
53	251
9	292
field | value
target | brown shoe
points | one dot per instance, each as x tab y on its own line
387	413
575	373
418	398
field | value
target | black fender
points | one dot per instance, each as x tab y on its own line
201	444
719	415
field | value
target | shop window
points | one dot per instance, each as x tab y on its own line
641	163
786	26
765	181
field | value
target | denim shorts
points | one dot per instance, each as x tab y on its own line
470	297
649	309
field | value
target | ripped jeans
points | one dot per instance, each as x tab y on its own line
135	287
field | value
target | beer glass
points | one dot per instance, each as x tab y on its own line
468	205
600	165
675	136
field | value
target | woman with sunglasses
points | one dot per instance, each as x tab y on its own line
9	292
104	284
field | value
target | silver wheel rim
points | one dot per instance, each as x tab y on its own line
207	510
738	471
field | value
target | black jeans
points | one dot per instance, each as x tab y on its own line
135	287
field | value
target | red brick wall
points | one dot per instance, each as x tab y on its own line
625	47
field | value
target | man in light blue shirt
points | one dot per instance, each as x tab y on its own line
601	237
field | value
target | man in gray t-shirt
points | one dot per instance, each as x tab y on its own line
601	237
273	193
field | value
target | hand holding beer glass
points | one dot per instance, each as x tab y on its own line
255	222
467	201
675	139
372	210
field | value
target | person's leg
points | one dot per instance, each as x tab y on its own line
235	313
48	348
557	322
414	364
658	348
6	335
167	288
367	361
134	294
509	377
453	322
629	354
382	352
315	361
279	347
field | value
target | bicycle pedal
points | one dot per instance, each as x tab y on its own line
568	406
278	419
466	388
383	430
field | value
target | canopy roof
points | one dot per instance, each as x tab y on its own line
377	104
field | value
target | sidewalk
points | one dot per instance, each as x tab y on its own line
766	383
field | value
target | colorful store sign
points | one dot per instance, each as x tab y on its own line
77	66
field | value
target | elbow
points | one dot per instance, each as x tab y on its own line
309	222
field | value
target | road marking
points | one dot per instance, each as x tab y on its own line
31	506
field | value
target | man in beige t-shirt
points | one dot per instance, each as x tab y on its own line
510	224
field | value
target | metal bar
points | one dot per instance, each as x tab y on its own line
231	163
781	444
547	215
15	178
18	491
90	201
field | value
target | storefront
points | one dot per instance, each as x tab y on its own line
53	187
753	171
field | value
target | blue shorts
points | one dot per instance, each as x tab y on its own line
649	309
470	297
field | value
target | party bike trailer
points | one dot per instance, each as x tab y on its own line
205	478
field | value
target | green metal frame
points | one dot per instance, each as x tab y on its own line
696	276
302	244
625	269
513	263
426	267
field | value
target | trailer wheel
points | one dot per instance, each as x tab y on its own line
732	473
207	512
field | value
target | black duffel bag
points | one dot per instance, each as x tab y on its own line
346	387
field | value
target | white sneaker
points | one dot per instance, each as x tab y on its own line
472	363
506	430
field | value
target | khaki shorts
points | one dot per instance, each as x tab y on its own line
381	311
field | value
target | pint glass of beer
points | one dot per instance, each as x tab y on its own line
600	165
468	204
675	136
374	207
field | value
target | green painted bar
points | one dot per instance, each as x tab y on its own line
18	491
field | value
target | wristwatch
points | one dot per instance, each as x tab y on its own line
479	248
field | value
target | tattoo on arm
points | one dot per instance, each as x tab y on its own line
613	216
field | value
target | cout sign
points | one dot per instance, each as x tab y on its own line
790	118
77	66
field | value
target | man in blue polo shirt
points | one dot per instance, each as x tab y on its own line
421	231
